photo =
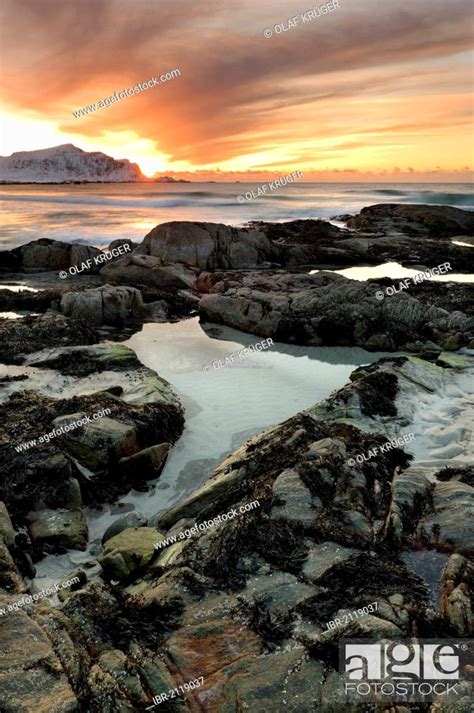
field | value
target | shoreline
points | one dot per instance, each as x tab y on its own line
331	534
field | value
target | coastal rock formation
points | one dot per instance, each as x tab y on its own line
45	254
330	511
104	305
31	334
435	221
317	243
256	605
59	438
328	309
208	246
144	270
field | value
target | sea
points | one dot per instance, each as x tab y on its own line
96	214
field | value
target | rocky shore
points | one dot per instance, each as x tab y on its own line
340	520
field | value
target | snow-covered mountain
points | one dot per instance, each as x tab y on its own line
66	163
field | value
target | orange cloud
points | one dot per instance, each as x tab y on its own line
367	86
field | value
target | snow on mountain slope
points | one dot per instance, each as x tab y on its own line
66	163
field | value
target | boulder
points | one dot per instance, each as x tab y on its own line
100	443
130	550
103	305
412	219
146	464
207	246
329	309
131	519
143	270
45	254
58	528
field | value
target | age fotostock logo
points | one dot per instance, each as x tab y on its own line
402	670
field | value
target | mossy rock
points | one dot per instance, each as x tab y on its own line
128	551
455	361
61	528
452	342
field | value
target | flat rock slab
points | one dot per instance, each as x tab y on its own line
279	592
31	676
324	556
298	504
449	527
60	528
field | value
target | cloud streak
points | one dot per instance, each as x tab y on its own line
241	97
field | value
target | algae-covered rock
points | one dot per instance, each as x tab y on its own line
32	677
6	527
82	361
131	519
294	500
146	464
449	526
59	528
323	556
98	443
128	551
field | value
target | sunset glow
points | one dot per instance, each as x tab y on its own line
372	91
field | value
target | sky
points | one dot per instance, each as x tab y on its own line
372	90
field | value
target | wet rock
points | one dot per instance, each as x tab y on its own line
10	578
410	219
458	585
103	305
458	610
99	443
411	492
146	464
31	675
208	650
45	254
278	592
82	361
59	528
128	551
30	334
297	502
6	528
323	556
131	519
39	475
126	679
447	527
288	680
329	309
65	591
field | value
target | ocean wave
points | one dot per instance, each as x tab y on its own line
454	199
176	202
390	192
